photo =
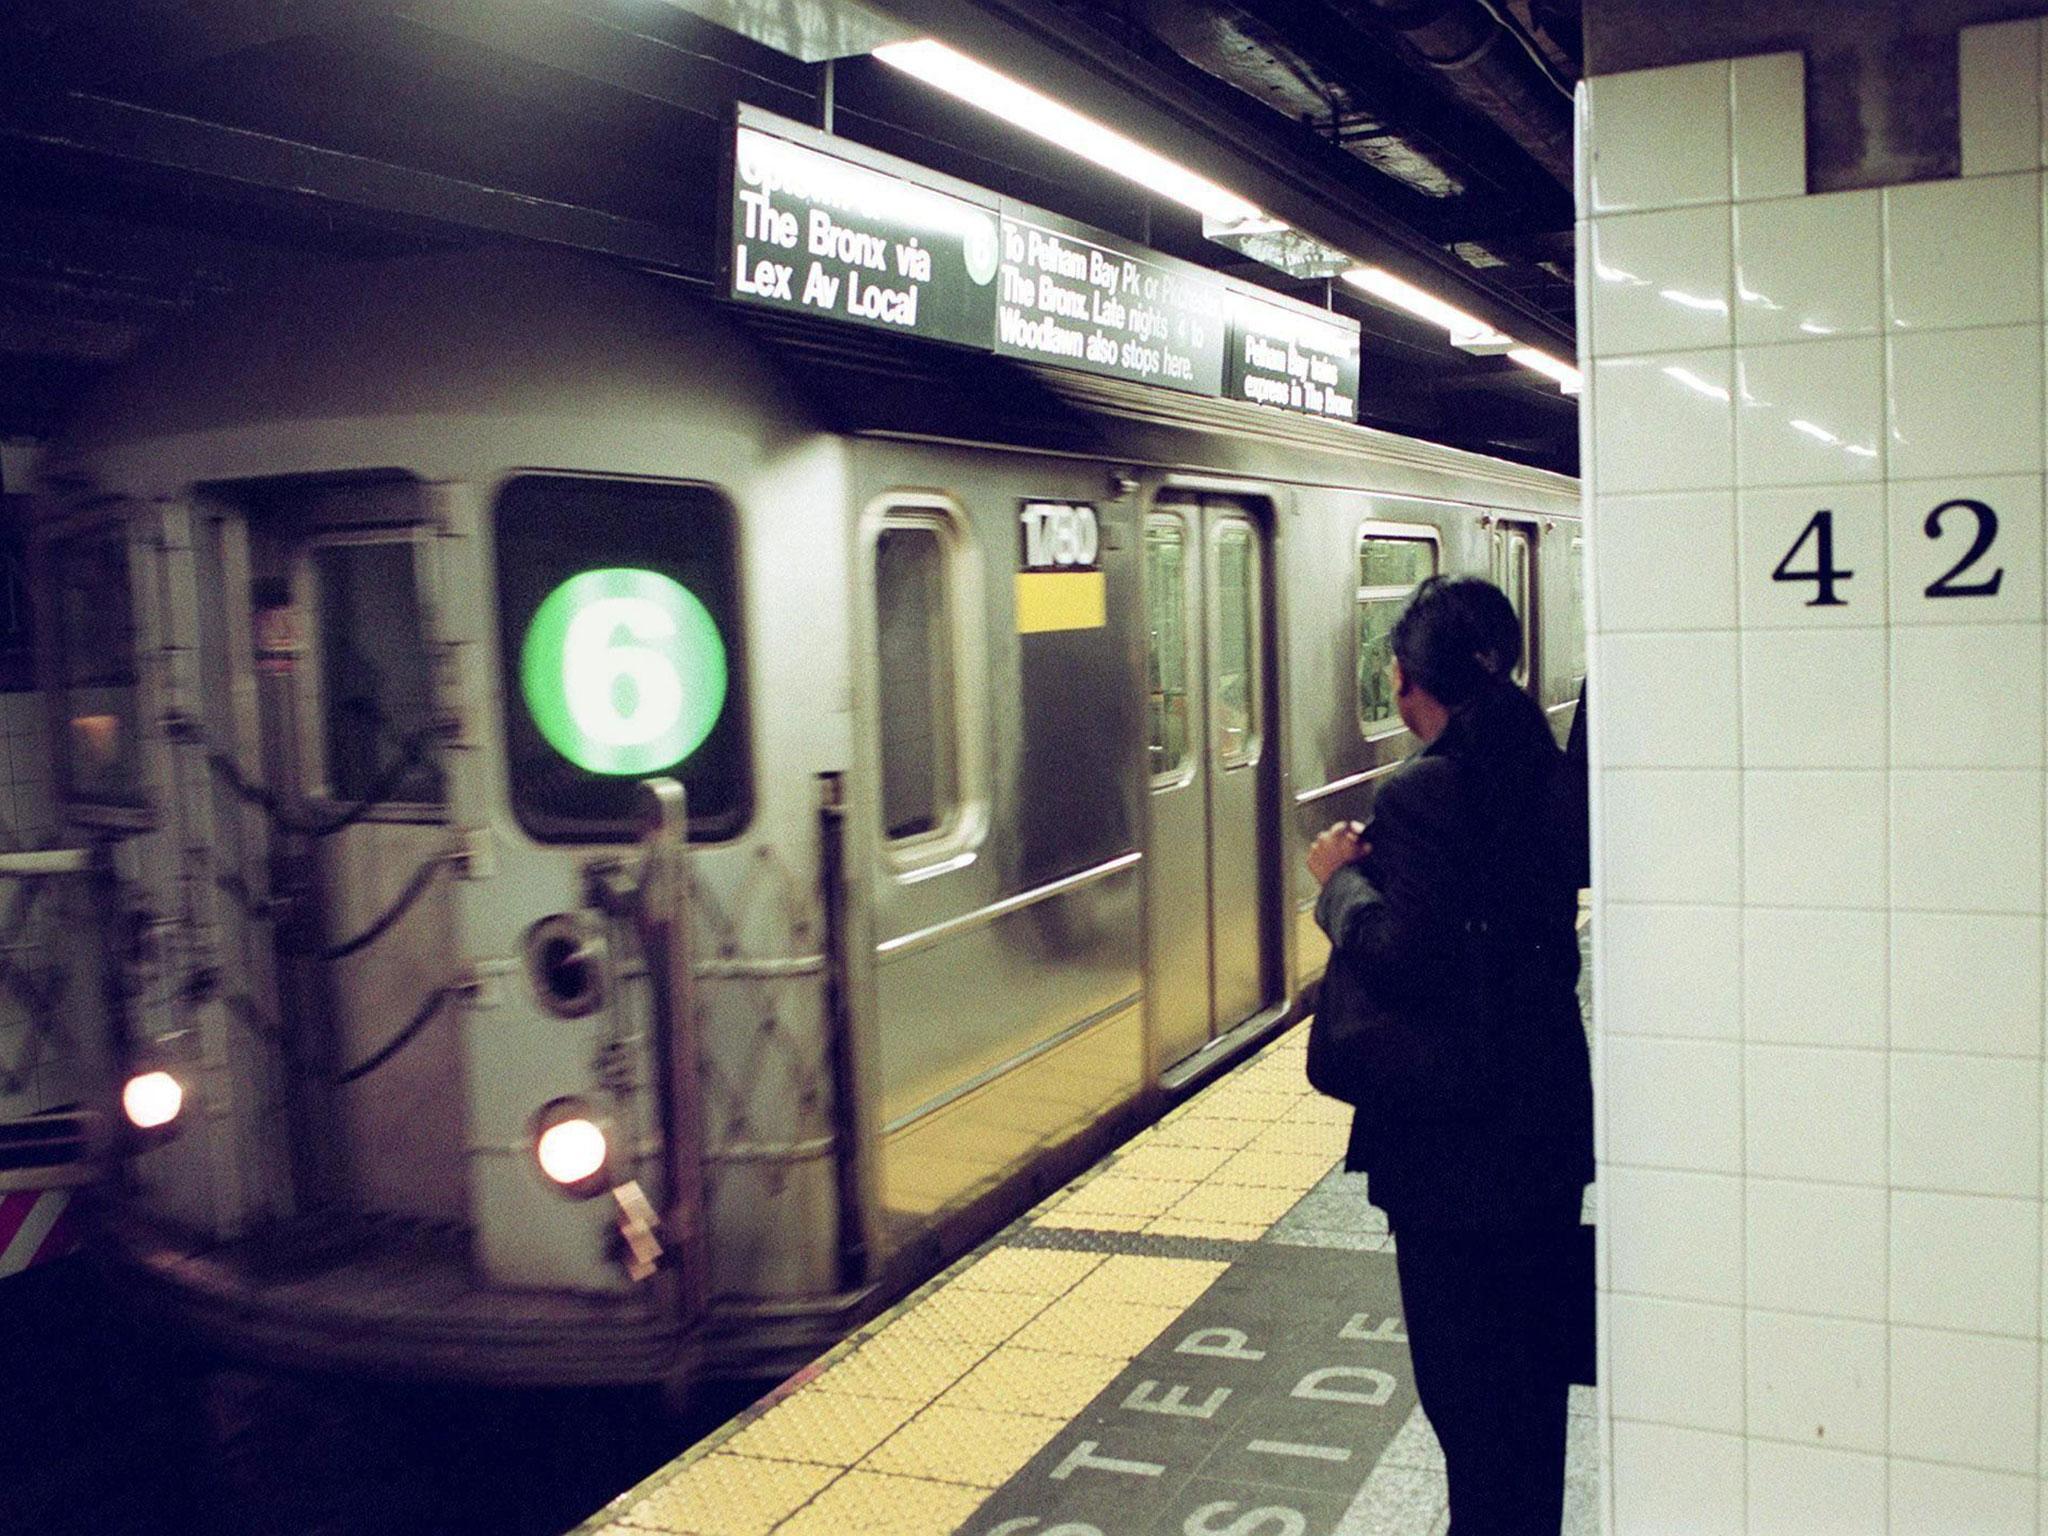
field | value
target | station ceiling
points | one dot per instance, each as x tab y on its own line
157	153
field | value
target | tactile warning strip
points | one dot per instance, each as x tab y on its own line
908	1427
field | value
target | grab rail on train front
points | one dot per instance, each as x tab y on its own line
664	918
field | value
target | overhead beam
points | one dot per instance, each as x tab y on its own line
598	43
122	131
126	47
223	28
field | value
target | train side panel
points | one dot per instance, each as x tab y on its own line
1005	936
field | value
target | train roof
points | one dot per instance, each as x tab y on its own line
872	382
519	331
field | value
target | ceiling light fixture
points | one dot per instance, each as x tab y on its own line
1463	329
1569	380
973	82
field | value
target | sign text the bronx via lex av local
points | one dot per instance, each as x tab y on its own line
822	227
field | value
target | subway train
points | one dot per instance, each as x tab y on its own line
625	833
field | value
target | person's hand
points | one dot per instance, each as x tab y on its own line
1335	847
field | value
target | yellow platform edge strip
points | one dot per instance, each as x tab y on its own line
1056	600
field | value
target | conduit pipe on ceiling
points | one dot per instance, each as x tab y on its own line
1486	66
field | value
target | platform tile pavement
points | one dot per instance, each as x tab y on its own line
988	1402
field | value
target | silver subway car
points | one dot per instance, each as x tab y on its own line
625	836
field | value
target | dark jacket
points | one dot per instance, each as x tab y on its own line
1456	935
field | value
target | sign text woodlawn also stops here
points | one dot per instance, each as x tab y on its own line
828	228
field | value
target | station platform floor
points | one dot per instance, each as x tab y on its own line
1125	1359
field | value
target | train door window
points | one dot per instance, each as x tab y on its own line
376	709
1513	567
1393	559
1235	704
1166	647
97	667
1578	615
620	619
915	650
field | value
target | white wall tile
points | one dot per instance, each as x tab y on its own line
1968	982
1966	696
1966	841
1768	132
1816	1248
1965	1399
1666	562
1801	1490
1809	267
1920	560
1813	839
1963	253
1814	977
1966	1125
1817	1379
1964	403
1669	701
1659	281
1660	137
1582	297
1669	835
1674	1104
1966	1262
1814	698
1667	422
1671	970
1928	1499
1776	522
1814	1113
1668	1481
1810	412
1582	156
1676	1362
1677	1235
2042	1448
1999	84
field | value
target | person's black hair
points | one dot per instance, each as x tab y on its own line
1457	637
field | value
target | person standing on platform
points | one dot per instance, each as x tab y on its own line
1455	1032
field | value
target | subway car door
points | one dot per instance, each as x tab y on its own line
323	678
1208	642
1514	572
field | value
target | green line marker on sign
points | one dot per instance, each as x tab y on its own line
623	670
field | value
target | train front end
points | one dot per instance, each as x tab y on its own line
402	692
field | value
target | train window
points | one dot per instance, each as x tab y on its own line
1235	703
915	691
1166	646
376	698
1392	561
620	621
96	635
1513	563
1578	617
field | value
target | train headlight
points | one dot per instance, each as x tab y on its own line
570	1146
152	1100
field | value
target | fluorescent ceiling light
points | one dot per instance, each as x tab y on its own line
1463	329
1568	378
976	84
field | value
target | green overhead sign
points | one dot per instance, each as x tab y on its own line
823	227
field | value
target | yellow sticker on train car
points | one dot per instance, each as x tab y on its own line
1055	600
1060	584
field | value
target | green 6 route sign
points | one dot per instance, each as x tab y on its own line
623	671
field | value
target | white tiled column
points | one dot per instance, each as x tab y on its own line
1819	808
